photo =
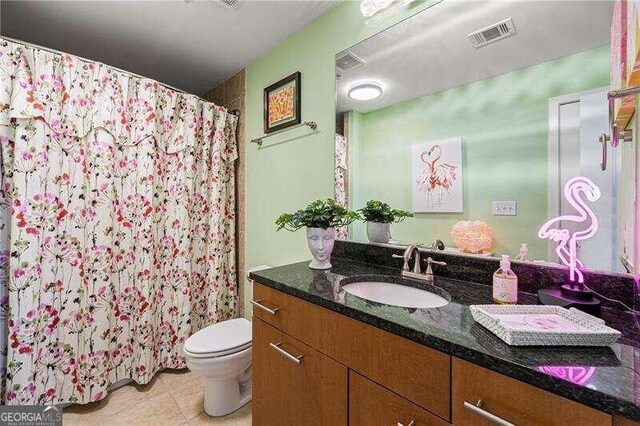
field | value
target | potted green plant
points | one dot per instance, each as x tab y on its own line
379	217
321	219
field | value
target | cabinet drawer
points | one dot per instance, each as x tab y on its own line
311	390
370	404
513	401
416	372
622	421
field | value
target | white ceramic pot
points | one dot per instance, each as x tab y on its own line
379	232
321	245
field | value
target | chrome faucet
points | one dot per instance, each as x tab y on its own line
408	254
417	269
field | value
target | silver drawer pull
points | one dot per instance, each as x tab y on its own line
293	358
411	423
477	409
264	308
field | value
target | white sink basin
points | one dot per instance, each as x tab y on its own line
395	294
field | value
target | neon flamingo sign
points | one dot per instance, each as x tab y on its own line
567	248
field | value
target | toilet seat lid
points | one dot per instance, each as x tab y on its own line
221	337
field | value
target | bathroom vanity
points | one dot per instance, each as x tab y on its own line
322	356
468	138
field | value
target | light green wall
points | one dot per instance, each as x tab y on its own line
289	173
503	123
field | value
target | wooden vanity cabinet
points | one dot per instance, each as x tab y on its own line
354	373
371	404
287	390
418	373
513	401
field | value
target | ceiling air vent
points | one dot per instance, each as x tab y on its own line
229	4
493	33
347	61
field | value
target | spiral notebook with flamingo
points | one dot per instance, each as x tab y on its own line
437	176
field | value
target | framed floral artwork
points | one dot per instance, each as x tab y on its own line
282	104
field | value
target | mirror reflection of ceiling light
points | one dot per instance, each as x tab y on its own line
365	91
229	4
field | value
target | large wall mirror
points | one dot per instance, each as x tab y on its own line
483	111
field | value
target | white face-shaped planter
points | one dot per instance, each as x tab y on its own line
321	245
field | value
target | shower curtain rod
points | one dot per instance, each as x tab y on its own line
57	52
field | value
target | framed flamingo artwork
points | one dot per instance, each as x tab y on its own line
437	176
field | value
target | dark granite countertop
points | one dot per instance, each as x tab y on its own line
607	378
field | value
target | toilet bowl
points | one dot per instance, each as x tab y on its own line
221	353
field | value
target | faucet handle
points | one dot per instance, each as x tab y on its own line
430	262
436	262
405	267
437	245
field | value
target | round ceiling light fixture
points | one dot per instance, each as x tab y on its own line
365	91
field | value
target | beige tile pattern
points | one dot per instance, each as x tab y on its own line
216	95
174	397
231	94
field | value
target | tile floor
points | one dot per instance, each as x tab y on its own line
173	397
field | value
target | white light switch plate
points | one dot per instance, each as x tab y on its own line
504	208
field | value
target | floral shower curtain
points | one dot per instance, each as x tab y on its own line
116	225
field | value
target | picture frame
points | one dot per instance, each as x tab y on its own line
282	103
437	176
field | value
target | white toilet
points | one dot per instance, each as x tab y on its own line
222	354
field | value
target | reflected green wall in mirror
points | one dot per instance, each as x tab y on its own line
503	122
